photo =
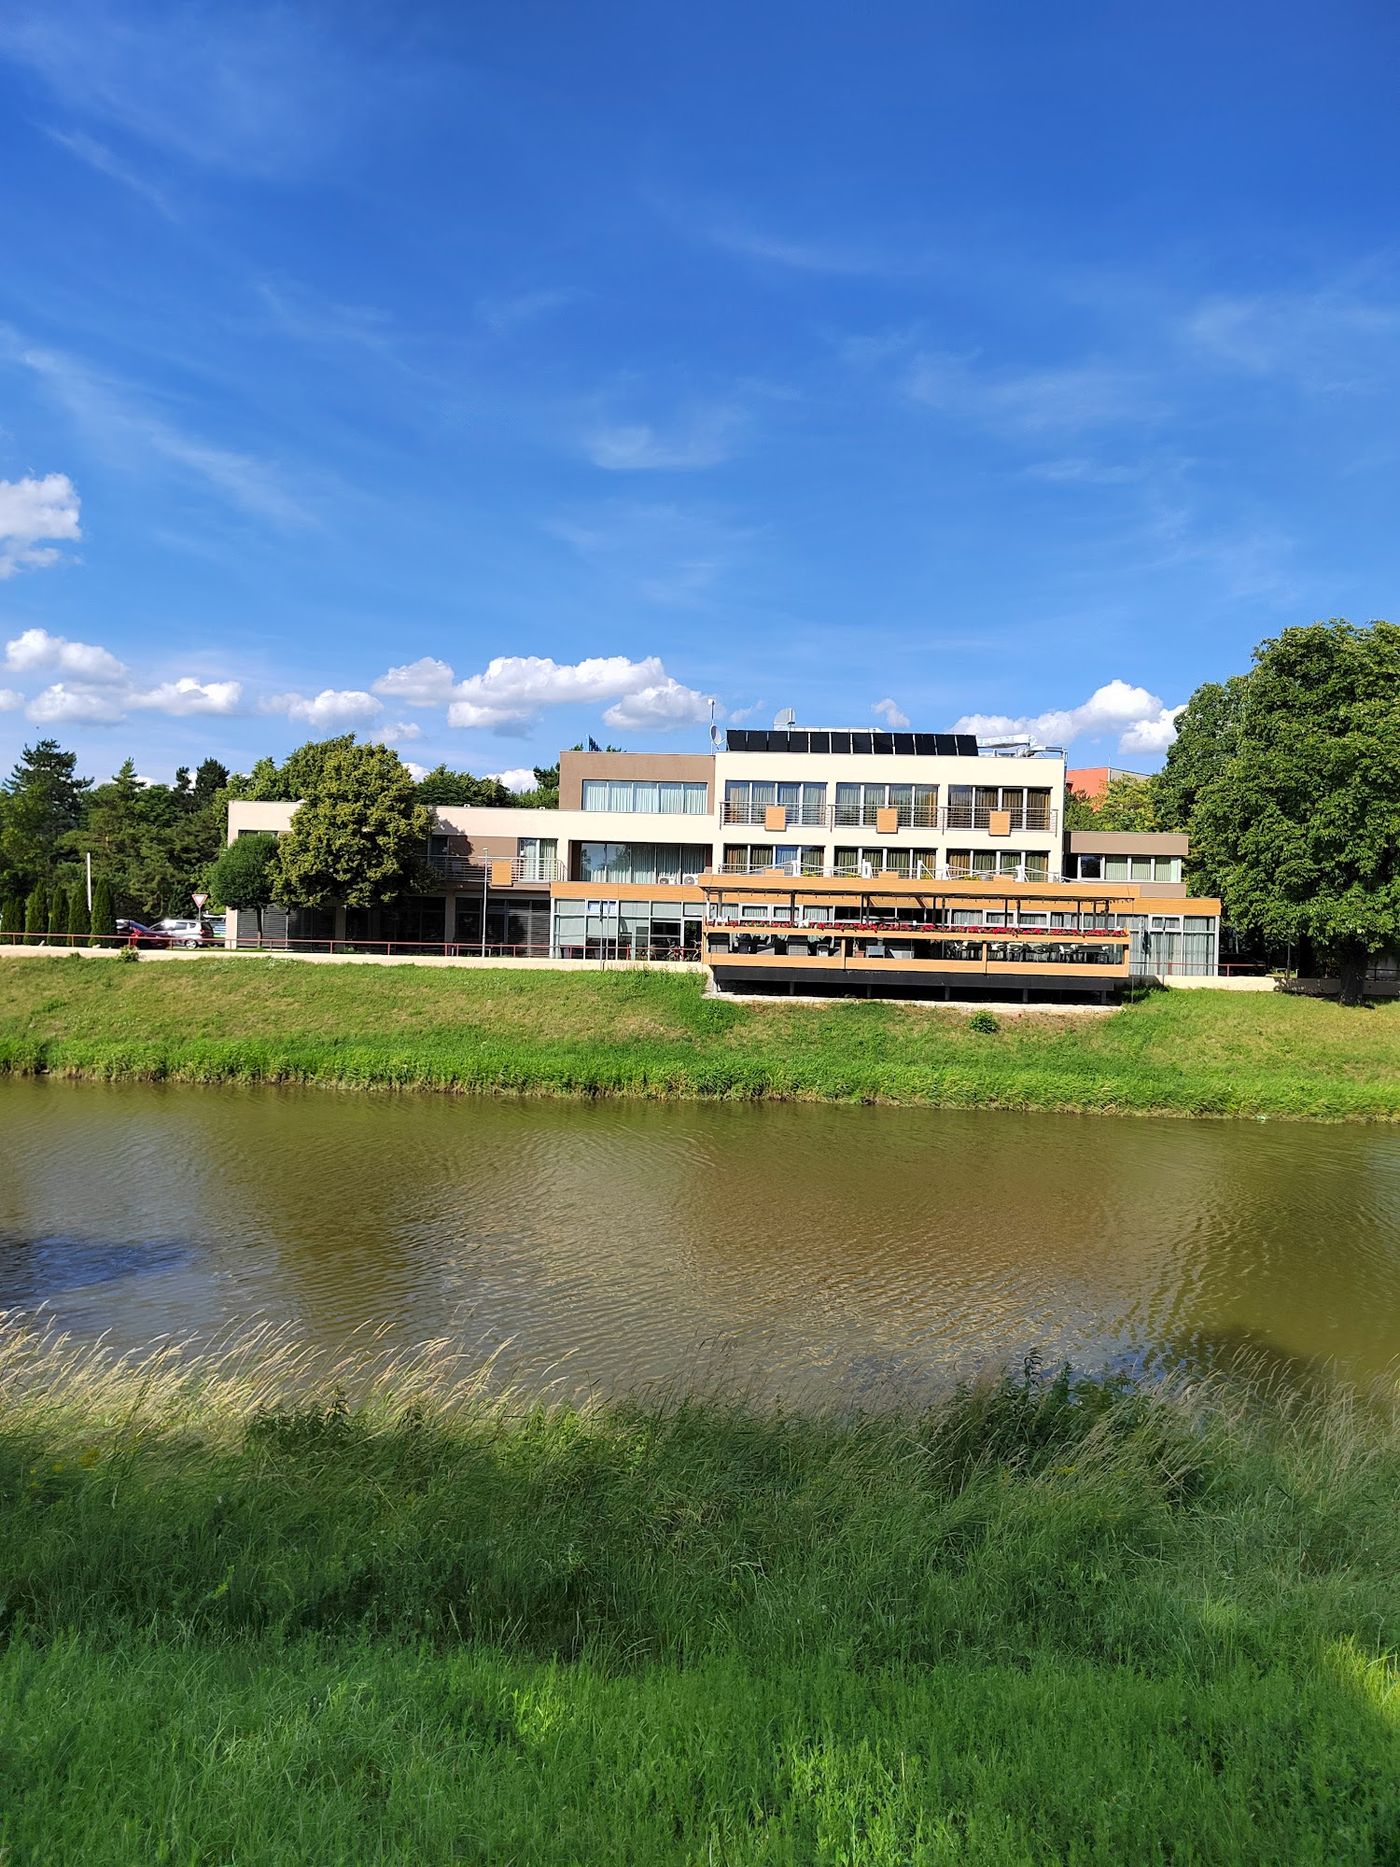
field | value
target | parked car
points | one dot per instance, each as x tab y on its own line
206	932
137	934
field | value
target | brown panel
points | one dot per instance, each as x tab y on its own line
686	767
998	823
775	817
502	874
886	821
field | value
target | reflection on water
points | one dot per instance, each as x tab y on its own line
816	1251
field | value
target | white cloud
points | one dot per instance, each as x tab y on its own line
659	708
637	447
518	778
414	771
893	716
33	513
64	704
514	687
332	707
739	714
426	682
1152	735
1143	723
9	700
187	696
396	732
1077	470
37	652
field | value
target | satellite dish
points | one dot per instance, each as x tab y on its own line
787	719
716	736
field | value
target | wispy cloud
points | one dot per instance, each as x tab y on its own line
510	313
1063	399
819	256
258	90
322	322
704	439
1079	470
114	418
663	552
98	156
1330	341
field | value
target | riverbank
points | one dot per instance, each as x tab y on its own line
216	1019
1043	1622
224	1020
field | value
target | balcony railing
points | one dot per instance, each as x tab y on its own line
810	811
538	869
867	871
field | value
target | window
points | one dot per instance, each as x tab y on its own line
970	807
911	803
646	796
539	858
1168	868
799	858
870	861
1032	865
1090	868
640	862
746	800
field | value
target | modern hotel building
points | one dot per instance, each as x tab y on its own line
794	860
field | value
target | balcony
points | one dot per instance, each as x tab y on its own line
866	871
482	870
811	813
1035	819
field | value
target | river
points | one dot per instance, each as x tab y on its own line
820	1253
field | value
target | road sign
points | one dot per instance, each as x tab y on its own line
199	900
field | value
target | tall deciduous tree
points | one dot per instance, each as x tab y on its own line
1296	800
242	877
360	836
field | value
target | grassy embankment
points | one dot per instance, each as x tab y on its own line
216	1019
1039	1624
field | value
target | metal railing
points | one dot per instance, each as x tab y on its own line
810	812
867	871
539	869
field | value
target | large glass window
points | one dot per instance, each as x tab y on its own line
539	858
646	796
970	806
641	862
915	804
798	858
867	861
747	799
1032	865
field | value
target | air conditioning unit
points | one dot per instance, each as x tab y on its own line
689	881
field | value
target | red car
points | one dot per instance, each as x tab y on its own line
135	934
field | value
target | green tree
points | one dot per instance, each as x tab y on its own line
104	917
545	795
242	875
1079	812
78	925
1298	814
442	786
36	912
1207	735
360	836
43	804
1127	804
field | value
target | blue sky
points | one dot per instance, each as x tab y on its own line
489	376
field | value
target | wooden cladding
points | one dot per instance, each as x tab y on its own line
998	823
886	820
502	873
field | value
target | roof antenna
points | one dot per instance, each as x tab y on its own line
716	736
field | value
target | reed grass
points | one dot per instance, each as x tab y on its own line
227	1019
260	1606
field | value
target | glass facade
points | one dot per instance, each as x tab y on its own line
911	862
911	803
646	796
1032	865
640	862
604	929
745	800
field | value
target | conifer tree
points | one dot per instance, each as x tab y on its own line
104	919
36	912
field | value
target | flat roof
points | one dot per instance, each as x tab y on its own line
855	739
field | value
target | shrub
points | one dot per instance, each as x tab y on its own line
12	915
984	1020
104	917
129	952
78	923
36	912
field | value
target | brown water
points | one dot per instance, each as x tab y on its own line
820	1252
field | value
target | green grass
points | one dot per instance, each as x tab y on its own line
217	1019
1043	1623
